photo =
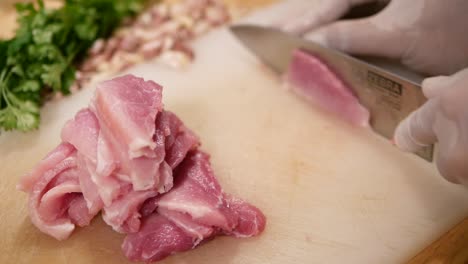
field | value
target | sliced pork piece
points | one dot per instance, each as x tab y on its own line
178	139
196	209
126	108
250	220
88	187
313	79
174	141
47	164
141	166
123	214
157	239
83	132
56	204
198	194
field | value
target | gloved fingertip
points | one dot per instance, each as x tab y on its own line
403	138
299	26
286	27
353	36
318	37
434	86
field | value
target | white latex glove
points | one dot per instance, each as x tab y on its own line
429	36
443	119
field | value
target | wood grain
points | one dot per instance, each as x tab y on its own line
451	248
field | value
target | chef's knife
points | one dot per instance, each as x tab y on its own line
390	93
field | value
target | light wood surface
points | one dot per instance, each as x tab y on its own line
20	152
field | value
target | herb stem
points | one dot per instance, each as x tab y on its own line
5	88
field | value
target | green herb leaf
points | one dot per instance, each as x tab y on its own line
34	71
28	86
21	115
27	121
52	76
86	31
8	119
18	70
40	59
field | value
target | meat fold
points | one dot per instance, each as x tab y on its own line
158	238
196	209
56	203
82	132
313	79
173	142
126	108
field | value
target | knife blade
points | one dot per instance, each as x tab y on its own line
389	92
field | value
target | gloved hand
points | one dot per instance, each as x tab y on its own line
443	119
429	36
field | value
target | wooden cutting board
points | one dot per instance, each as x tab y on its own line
332	193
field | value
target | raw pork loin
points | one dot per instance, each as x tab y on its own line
311	78
141	166
194	210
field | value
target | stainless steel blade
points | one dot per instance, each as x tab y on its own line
390	94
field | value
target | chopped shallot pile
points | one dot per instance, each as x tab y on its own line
126	156
163	31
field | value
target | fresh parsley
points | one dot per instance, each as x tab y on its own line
40	60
